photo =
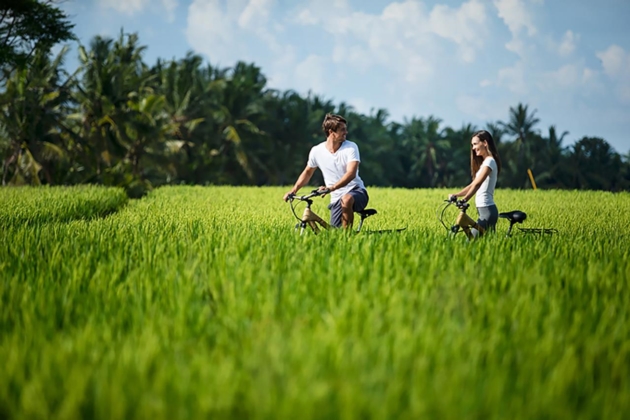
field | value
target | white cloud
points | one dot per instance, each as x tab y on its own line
229	31
483	108
565	76
517	46
516	16
615	61
361	105
255	14
359	56
211	30
567	46
404	38
616	64
466	26
513	78
519	19
311	73
306	17
170	6
132	7
129	7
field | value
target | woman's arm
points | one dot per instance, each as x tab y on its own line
474	186
463	192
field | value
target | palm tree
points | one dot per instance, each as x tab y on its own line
183	85
147	130
427	145
456	171
551	160
596	165
291	130
32	108
237	118
521	126
111	73
497	130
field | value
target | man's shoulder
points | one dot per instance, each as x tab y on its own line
347	144
319	146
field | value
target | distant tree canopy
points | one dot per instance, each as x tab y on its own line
119	121
28	25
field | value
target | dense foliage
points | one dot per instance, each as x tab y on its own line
117	121
26	26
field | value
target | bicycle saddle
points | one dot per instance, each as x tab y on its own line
515	216
367	212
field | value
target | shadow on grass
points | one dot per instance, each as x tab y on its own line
44	217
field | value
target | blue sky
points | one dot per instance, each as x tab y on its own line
461	61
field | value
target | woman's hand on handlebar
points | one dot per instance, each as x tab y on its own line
288	196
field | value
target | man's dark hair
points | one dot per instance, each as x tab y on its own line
332	122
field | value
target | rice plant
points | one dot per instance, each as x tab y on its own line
203	302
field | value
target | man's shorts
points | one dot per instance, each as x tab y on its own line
360	202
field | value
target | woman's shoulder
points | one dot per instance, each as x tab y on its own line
490	161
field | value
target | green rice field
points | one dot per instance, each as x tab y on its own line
203	302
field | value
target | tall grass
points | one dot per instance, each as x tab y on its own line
203	302
33	205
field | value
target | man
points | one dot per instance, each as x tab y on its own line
338	159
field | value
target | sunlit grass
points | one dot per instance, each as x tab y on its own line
204	302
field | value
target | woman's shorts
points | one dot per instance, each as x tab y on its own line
488	217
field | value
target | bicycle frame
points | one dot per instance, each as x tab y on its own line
311	219
463	222
466	223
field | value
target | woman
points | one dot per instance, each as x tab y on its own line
485	166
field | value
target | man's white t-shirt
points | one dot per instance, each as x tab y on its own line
335	165
485	194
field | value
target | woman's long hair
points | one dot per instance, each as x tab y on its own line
476	161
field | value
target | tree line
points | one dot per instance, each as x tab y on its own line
118	121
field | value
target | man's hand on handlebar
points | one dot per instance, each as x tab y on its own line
323	191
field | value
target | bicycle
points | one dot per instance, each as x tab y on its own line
463	222
311	219
466	224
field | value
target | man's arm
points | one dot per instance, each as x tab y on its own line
302	180
351	173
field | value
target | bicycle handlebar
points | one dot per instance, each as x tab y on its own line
460	204
314	193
